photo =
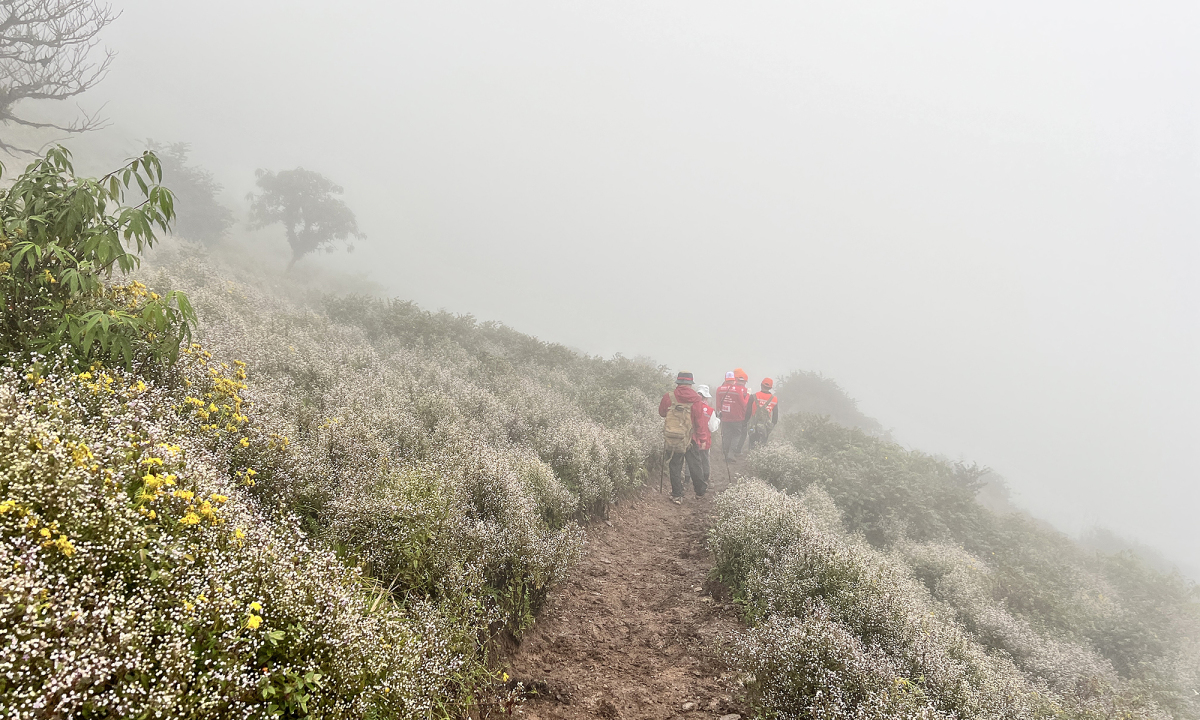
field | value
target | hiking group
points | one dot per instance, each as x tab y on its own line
689	424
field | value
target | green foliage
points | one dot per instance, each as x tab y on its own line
884	491
61	237
304	202
199	215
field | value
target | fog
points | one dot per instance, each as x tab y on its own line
981	220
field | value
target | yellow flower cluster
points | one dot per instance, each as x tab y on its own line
254	621
103	382
99	382
157	480
247	477
47	533
131	295
221	408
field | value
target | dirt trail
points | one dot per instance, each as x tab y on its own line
631	633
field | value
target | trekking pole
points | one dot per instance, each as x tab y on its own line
662	466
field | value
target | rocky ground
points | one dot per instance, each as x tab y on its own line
635	632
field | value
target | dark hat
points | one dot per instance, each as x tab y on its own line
684	378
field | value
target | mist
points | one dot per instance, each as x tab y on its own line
981	220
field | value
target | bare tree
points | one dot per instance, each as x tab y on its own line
46	54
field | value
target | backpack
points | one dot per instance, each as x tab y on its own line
677	429
761	423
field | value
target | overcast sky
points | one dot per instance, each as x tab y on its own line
980	218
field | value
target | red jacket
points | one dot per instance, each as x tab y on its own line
700	412
731	399
701	435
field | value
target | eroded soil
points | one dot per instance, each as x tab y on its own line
634	632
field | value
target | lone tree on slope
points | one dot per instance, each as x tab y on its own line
46	54
304	202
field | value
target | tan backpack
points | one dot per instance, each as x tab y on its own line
760	423
677	430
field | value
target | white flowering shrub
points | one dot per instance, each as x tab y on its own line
845	630
141	579
335	527
1065	616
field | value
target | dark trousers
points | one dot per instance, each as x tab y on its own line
697	462
760	436
733	435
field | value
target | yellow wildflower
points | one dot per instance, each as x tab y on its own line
184	494
244	442
256	606
190	519
44	532
219	498
64	545
253	622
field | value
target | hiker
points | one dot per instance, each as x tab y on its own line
731	401
763	413
683	409
703	437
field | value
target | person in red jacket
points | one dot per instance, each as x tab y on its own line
684	393
762	413
702	436
731	402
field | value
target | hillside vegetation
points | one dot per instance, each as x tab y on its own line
325	507
878	587
293	503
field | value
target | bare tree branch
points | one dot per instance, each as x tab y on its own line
46	53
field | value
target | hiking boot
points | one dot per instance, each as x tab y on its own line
677	499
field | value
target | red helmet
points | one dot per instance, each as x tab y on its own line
740	374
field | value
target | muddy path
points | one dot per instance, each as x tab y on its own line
633	632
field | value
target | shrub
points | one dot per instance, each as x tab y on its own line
142	580
60	238
844	630
389	501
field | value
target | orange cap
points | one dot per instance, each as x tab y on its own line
740	374
768	382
